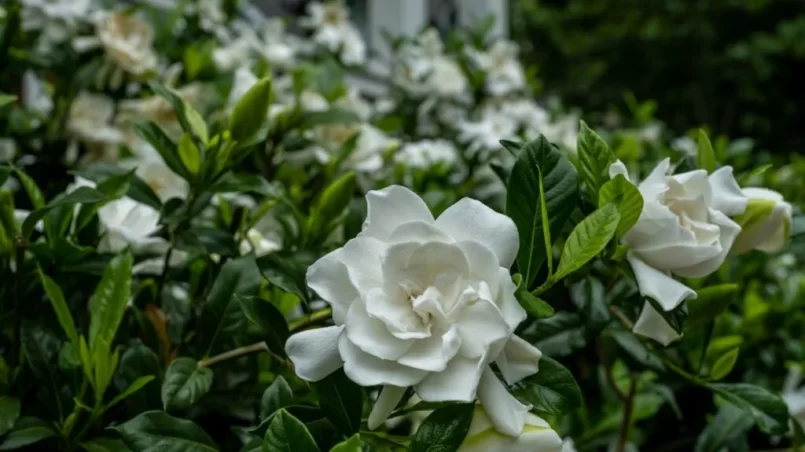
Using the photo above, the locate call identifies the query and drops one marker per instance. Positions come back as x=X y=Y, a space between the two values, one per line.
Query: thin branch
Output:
x=626 y=424
x=315 y=318
x=237 y=353
x=608 y=371
x=628 y=324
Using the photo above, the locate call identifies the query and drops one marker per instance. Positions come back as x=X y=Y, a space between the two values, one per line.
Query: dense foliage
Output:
x=220 y=231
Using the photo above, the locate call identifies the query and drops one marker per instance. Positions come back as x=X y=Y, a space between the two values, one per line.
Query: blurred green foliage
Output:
x=732 y=65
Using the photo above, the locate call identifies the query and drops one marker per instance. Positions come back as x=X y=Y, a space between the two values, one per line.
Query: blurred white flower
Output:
x=370 y=145
x=427 y=153
x=128 y=42
x=504 y=73
x=685 y=145
x=35 y=96
x=685 y=230
x=794 y=395
x=150 y=167
x=563 y=132
x=90 y=119
x=242 y=82
x=766 y=224
x=537 y=436
x=257 y=242
x=423 y=302
x=333 y=30
x=422 y=68
x=269 y=41
x=8 y=148
x=157 y=109
x=486 y=133
x=57 y=20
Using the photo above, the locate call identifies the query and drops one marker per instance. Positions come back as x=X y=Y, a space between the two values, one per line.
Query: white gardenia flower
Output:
x=422 y=302
x=334 y=31
x=35 y=95
x=90 y=117
x=563 y=132
x=423 y=68
x=370 y=146
x=568 y=445
x=504 y=73
x=58 y=20
x=766 y=224
x=259 y=243
x=684 y=230
x=486 y=133
x=794 y=395
x=128 y=41
x=537 y=436
x=8 y=149
x=427 y=153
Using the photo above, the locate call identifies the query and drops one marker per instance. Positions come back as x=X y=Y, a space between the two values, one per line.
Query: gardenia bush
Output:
x=215 y=236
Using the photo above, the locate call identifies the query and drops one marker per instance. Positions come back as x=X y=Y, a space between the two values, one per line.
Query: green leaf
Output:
x=109 y=301
x=335 y=198
x=157 y=430
x=278 y=395
x=285 y=272
x=189 y=154
x=558 y=335
x=746 y=178
x=270 y=321
x=551 y=391
x=154 y=135
x=444 y=430
x=175 y=101
x=724 y=364
x=5 y=171
x=709 y=304
x=138 y=384
x=331 y=116
x=705 y=157
x=341 y=400
x=248 y=183
x=56 y=298
x=104 y=445
x=594 y=158
x=34 y=194
x=197 y=123
x=535 y=307
x=9 y=413
x=27 y=431
x=221 y=316
x=588 y=295
x=588 y=239
x=352 y=444
x=41 y=349
x=6 y=99
x=546 y=225
x=523 y=200
x=251 y=111
x=729 y=424
x=767 y=408
x=81 y=195
x=288 y=434
x=627 y=199
x=185 y=383
x=637 y=350
x=137 y=190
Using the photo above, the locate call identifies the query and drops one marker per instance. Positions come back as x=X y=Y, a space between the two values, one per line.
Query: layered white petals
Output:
x=469 y=219
x=652 y=325
x=535 y=436
x=505 y=412
x=766 y=223
x=518 y=360
x=389 y=397
x=314 y=353
x=659 y=285
x=424 y=303
x=727 y=195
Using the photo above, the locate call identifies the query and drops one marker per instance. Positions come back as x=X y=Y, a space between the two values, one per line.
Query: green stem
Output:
x=236 y=353
x=626 y=423
x=19 y=260
x=310 y=320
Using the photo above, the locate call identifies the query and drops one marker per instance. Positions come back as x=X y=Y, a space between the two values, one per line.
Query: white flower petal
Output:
x=656 y=183
x=329 y=277
x=386 y=401
x=482 y=328
x=727 y=195
x=418 y=231
x=729 y=231
x=314 y=353
x=652 y=325
x=469 y=219
x=362 y=256
x=388 y=208
x=518 y=360
x=367 y=370
x=618 y=168
x=659 y=285
x=371 y=335
x=537 y=436
x=483 y=263
x=505 y=412
x=433 y=353
x=458 y=382
x=507 y=302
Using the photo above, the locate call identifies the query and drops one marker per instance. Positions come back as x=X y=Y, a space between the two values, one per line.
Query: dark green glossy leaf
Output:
x=277 y=395
x=552 y=390
x=9 y=413
x=270 y=320
x=157 y=430
x=594 y=159
x=767 y=408
x=288 y=434
x=444 y=430
x=727 y=425
x=104 y=445
x=341 y=400
x=81 y=195
x=27 y=431
x=109 y=300
x=185 y=383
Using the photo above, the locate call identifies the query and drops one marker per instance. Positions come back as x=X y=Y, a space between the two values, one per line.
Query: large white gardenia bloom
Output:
x=422 y=302
x=333 y=30
x=504 y=73
x=766 y=223
x=427 y=153
x=794 y=395
x=537 y=436
x=128 y=41
x=684 y=230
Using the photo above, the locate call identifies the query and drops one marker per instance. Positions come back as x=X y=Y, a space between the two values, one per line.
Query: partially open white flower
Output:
x=766 y=223
x=685 y=230
x=128 y=41
x=422 y=302
x=537 y=436
x=504 y=73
